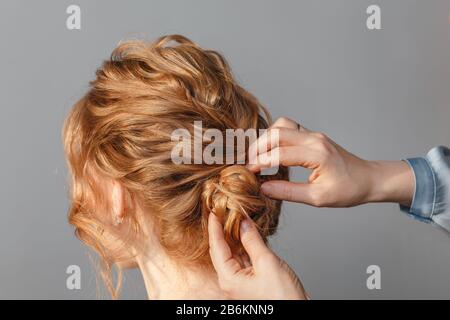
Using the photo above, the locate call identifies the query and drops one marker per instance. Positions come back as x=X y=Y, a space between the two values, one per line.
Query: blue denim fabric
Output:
x=431 y=201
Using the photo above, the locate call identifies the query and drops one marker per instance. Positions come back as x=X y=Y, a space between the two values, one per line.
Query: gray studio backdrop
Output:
x=383 y=94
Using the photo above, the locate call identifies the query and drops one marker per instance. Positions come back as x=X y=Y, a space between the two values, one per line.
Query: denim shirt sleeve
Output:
x=431 y=200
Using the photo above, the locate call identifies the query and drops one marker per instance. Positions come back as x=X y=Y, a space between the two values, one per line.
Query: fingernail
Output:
x=245 y=225
x=266 y=188
x=212 y=216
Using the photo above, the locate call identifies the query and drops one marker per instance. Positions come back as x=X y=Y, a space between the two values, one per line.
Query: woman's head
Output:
x=118 y=144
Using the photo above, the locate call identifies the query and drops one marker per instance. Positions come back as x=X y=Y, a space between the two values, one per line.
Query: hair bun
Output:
x=233 y=195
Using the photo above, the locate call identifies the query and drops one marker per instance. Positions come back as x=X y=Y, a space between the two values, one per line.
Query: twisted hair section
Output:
x=234 y=195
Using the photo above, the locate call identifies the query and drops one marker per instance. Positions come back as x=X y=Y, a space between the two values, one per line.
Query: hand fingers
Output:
x=276 y=137
x=253 y=243
x=286 y=156
x=285 y=122
x=290 y=191
x=288 y=123
x=282 y=131
x=221 y=255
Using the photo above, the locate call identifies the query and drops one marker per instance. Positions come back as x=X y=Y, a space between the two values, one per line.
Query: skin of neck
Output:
x=165 y=278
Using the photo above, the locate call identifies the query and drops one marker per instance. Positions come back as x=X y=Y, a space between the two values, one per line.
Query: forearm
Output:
x=420 y=185
x=391 y=181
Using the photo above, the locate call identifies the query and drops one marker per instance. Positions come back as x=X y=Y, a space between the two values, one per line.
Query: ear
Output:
x=117 y=203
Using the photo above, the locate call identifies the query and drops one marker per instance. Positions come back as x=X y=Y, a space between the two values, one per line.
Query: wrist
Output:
x=390 y=181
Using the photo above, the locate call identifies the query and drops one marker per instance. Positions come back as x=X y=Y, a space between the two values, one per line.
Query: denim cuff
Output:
x=422 y=206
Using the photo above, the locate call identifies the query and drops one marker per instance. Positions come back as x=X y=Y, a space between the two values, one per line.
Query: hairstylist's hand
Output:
x=267 y=277
x=338 y=178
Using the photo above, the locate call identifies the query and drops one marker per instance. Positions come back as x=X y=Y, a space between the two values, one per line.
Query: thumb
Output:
x=252 y=242
x=290 y=191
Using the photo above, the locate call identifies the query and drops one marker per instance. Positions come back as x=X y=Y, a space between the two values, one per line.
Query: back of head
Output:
x=121 y=129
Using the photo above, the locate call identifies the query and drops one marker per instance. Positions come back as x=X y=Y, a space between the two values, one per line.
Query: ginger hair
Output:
x=121 y=130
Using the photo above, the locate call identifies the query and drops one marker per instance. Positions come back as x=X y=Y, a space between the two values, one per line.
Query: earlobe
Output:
x=117 y=201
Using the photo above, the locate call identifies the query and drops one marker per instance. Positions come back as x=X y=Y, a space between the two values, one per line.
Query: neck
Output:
x=165 y=279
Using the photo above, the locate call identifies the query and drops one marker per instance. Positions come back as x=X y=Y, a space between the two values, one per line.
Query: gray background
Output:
x=381 y=94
